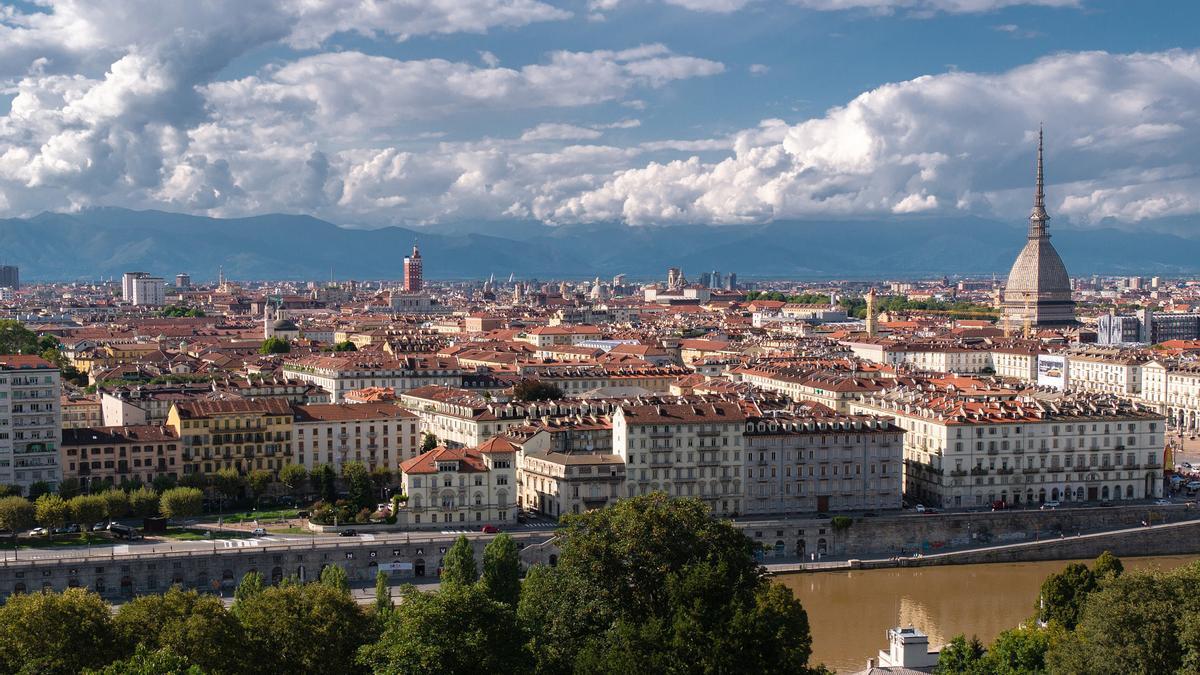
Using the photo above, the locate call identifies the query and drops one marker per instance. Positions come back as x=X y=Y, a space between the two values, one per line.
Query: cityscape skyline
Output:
x=599 y=111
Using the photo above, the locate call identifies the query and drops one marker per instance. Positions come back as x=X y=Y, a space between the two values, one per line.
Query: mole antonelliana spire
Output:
x=1038 y=291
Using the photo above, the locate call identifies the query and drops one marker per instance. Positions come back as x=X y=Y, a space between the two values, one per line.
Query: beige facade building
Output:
x=683 y=449
x=461 y=487
x=30 y=421
x=375 y=434
x=976 y=450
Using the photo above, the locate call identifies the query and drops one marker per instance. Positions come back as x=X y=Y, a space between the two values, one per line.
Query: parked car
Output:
x=1162 y=502
x=37 y=532
x=489 y=529
x=258 y=532
x=1193 y=485
x=302 y=514
x=1186 y=465
x=348 y=533
x=101 y=526
x=920 y=508
x=1106 y=503
x=1050 y=505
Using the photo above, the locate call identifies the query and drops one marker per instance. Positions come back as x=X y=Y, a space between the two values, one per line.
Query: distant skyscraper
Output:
x=10 y=277
x=413 y=281
x=731 y=282
x=127 y=280
x=1038 y=292
x=618 y=280
x=706 y=279
x=149 y=291
x=183 y=281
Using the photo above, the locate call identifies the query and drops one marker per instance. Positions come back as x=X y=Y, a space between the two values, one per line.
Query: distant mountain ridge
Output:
x=104 y=242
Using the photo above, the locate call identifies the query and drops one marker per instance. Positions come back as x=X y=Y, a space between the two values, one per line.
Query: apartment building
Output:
x=817 y=461
x=1172 y=387
x=965 y=450
x=685 y=449
x=1106 y=371
x=100 y=456
x=461 y=486
x=30 y=421
x=341 y=374
x=375 y=434
x=556 y=483
x=238 y=434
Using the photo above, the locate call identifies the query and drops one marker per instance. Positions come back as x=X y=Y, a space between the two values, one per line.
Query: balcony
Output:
x=993 y=451
x=1030 y=471
x=1006 y=471
x=958 y=473
x=980 y=471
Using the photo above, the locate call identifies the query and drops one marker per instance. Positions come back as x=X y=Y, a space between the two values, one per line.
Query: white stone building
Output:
x=975 y=450
x=30 y=421
x=376 y=434
x=461 y=487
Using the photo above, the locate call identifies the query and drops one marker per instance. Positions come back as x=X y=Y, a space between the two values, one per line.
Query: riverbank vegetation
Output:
x=650 y=584
x=1098 y=620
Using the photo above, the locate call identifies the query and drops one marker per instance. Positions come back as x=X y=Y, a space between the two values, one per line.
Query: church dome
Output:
x=284 y=325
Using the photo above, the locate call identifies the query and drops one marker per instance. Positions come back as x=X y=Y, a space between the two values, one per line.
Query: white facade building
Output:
x=30 y=421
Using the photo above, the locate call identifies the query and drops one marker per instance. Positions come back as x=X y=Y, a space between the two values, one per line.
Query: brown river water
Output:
x=850 y=612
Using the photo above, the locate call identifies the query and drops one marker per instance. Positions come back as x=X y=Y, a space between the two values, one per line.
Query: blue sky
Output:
x=636 y=111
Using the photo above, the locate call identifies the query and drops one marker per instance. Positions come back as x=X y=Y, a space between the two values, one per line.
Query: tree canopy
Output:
x=536 y=390
x=275 y=345
x=656 y=584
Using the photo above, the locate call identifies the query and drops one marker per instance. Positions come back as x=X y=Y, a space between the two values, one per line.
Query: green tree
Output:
x=383 y=594
x=143 y=502
x=87 y=509
x=193 y=626
x=324 y=481
x=457 y=629
x=293 y=476
x=163 y=482
x=458 y=567
x=358 y=484
x=37 y=489
x=428 y=442
x=16 y=514
x=308 y=628
x=961 y=657
x=334 y=576
x=260 y=481
x=536 y=390
x=116 y=503
x=381 y=478
x=147 y=662
x=654 y=584
x=274 y=345
x=51 y=511
x=501 y=577
x=69 y=487
x=346 y=346
x=229 y=483
x=1141 y=622
x=1019 y=651
x=251 y=584
x=52 y=633
x=17 y=339
x=1107 y=567
x=181 y=502
x=1063 y=594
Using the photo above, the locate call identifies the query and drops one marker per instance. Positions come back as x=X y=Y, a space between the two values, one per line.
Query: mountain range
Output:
x=104 y=242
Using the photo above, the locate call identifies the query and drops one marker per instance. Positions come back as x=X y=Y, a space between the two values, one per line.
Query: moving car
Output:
x=489 y=529
x=1050 y=505
x=920 y=508
x=1162 y=502
x=258 y=532
x=348 y=533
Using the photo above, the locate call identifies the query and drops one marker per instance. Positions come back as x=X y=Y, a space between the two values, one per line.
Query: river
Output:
x=850 y=612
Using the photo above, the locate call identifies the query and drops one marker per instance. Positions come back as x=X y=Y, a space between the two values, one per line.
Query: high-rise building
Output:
x=183 y=281
x=413 y=281
x=10 y=277
x=32 y=418
x=731 y=282
x=149 y=291
x=1038 y=292
x=127 y=280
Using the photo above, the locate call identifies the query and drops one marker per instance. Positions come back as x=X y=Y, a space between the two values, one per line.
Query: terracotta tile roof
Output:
x=469 y=461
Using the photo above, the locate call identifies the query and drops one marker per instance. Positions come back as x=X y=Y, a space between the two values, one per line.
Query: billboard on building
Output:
x=1052 y=371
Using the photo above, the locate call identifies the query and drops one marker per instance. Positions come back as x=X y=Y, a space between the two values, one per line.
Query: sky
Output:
x=644 y=112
